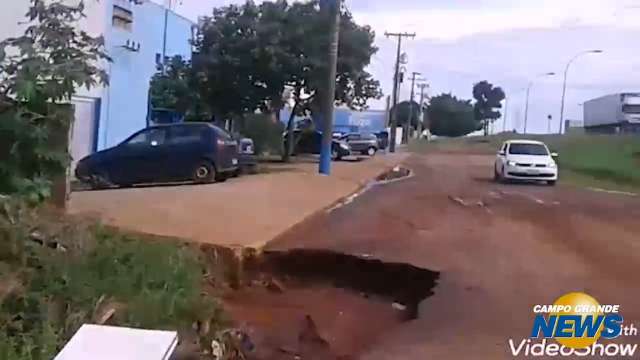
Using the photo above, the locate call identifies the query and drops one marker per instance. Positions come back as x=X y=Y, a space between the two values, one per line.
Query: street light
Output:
x=526 y=109
x=564 y=85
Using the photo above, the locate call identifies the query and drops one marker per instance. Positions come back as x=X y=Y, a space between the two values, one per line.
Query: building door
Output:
x=83 y=132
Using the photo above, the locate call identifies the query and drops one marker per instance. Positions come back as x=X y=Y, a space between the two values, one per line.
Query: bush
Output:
x=265 y=131
x=56 y=275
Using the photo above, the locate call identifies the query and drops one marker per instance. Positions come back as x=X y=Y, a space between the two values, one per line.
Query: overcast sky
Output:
x=507 y=42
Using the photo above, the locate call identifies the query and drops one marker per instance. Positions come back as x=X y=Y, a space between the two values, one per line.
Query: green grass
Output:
x=586 y=160
x=48 y=291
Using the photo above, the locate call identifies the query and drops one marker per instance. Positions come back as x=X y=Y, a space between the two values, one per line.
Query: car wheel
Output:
x=100 y=181
x=371 y=151
x=496 y=175
x=334 y=154
x=551 y=182
x=204 y=172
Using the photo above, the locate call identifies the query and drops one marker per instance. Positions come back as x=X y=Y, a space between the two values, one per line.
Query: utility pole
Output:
x=396 y=79
x=506 y=114
x=407 y=125
x=387 y=113
x=330 y=10
x=422 y=123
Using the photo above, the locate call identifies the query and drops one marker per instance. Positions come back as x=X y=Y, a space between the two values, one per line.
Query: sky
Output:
x=509 y=43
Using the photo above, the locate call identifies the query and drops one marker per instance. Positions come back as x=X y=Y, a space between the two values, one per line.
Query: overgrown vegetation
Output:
x=265 y=130
x=39 y=69
x=57 y=274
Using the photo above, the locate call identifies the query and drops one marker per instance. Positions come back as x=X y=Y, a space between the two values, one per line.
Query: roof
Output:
x=525 y=141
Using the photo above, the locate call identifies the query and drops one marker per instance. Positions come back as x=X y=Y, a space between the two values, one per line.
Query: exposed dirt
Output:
x=500 y=250
x=323 y=305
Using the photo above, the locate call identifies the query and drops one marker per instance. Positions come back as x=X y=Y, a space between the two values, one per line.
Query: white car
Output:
x=526 y=160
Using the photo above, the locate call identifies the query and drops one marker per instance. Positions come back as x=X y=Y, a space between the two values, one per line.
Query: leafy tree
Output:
x=249 y=56
x=407 y=109
x=42 y=67
x=488 y=98
x=174 y=87
x=450 y=116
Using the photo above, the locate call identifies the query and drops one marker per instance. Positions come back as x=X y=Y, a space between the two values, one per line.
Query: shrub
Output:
x=265 y=131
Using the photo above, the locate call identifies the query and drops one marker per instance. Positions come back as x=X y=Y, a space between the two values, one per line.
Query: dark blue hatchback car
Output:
x=200 y=152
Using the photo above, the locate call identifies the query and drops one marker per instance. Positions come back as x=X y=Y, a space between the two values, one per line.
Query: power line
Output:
x=396 y=78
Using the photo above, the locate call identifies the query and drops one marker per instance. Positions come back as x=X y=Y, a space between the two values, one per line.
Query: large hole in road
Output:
x=302 y=303
x=401 y=283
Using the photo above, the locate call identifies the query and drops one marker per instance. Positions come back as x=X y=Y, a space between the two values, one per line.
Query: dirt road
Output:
x=499 y=249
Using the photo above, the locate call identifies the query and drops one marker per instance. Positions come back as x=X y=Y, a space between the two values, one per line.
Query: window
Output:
x=528 y=149
x=122 y=18
x=185 y=134
x=354 y=137
x=631 y=109
x=149 y=137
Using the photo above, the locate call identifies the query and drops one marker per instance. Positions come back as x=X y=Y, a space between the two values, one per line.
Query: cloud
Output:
x=507 y=42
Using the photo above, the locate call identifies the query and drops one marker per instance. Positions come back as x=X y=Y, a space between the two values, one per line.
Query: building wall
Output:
x=131 y=70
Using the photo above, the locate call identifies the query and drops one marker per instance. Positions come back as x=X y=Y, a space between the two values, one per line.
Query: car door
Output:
x=356 y=142
x=141 y=158
x=186 y=149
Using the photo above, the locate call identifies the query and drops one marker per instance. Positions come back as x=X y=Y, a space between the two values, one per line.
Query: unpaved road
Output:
x=528 y=244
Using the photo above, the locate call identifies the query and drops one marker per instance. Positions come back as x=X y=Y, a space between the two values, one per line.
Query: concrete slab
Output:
x=248 y=211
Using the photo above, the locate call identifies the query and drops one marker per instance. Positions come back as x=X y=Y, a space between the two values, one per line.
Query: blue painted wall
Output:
x=126 y=99
x=345 y=120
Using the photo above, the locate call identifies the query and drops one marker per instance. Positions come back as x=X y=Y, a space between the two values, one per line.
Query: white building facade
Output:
x=138 y=35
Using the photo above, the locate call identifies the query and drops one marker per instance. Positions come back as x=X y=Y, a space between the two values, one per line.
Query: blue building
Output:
x=348 y=121
x=139 y=35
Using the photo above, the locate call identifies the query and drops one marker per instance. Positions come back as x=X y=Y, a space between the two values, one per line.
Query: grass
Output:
x=56 y=274
x=587 y=160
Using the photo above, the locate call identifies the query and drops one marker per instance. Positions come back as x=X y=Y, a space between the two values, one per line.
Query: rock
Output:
x=275 y=286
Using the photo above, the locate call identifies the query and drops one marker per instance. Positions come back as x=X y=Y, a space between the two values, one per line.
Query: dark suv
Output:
x=366 y=144
x=200 y=152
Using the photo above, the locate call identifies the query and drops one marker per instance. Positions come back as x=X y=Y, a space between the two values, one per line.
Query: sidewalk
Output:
x=247 y=211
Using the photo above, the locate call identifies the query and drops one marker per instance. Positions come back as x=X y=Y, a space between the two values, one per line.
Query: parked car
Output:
x=248 y=161
x=383 y=139
x=366 y=144
x=310 y=142
x=200 y=152
x=526 y=160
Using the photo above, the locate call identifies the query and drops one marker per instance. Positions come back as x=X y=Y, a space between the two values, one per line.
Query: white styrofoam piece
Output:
x=98 y=342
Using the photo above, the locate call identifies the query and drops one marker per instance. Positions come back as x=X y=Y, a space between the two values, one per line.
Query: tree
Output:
x=42 y=67
x=404 y=109
x=450 y=116
x=488 y=98
x=249 y=56
x=173 y=88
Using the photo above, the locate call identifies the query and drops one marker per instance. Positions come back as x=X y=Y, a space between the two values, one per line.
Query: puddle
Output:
x=314 y=303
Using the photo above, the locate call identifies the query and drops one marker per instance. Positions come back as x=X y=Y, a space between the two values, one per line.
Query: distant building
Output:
x=348 y=121
x=135 y=38
x=573 y=126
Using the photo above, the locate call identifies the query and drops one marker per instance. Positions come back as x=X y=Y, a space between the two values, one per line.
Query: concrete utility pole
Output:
x=396 y=79
x=422 y=123
x=526 y=109
x=407 y=125
x=505 y=116
x=330 y=10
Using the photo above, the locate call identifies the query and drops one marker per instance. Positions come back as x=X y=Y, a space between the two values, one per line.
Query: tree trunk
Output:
x=289 y=144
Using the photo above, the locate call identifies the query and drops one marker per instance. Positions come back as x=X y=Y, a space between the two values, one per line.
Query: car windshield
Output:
x=528 y=149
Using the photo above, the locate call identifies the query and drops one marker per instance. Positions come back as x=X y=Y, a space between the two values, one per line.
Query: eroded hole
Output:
x=397 y=172
x=400 y=283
